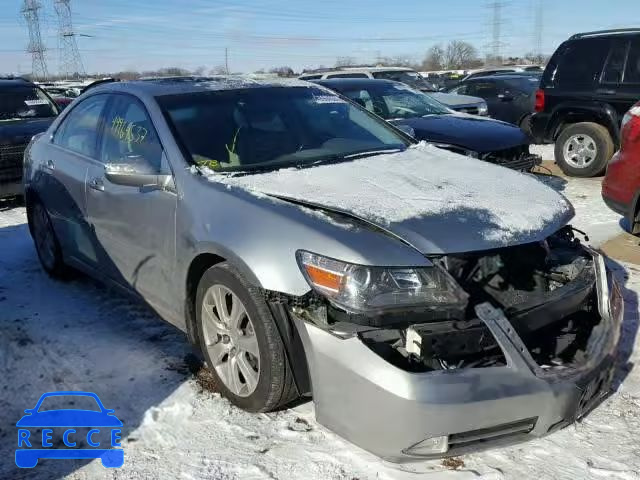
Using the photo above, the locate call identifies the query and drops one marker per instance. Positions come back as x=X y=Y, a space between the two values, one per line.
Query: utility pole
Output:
x=70 y=60
x=539 y=27
x=226 y=59
x=35 y=47
x=496 y=29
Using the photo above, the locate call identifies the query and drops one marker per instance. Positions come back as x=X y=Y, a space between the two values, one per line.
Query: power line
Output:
x=70 y=60
x=35 y=47
x=539 y=26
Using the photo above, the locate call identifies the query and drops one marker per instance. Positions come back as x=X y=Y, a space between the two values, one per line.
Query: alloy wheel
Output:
x=580 y=150
x=43 y=234
x=231 y=340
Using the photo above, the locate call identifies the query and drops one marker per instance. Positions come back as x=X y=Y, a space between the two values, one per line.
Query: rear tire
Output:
x=46 y=241
x=584 y=149
x=254 y=377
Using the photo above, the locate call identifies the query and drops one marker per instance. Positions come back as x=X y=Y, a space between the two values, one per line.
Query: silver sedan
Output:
x=430 y=303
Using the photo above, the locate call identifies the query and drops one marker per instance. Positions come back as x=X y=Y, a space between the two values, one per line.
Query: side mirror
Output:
x=130 y=176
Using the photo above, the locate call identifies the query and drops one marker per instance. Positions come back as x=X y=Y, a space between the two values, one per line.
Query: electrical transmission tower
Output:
x=70 y=61
x=36 y=47
x=538 y=27
x=496 y=29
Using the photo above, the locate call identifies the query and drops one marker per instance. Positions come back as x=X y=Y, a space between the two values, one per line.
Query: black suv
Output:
x=589 y=84
x=25 y=110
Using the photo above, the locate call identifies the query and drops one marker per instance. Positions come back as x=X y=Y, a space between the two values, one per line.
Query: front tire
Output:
x=241 y=343
x=46 y=242
x=584 y=149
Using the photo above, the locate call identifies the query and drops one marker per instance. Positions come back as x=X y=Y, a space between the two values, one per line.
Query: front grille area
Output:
x=11 y=162
x=473 y=438
x=516 y=158
x=470 y=110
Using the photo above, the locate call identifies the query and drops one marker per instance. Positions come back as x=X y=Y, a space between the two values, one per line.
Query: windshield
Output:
x=25 y=102
x=269 y=127
x=409 y=77
x=396 y=101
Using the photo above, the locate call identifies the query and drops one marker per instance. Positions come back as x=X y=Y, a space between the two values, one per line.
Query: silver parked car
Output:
x=430 y=303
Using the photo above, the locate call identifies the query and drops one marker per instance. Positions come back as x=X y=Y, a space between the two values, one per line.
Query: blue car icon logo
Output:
x=99 y=422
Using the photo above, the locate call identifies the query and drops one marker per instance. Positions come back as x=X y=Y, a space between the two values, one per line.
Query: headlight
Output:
x=360 y=288
x=483 y=109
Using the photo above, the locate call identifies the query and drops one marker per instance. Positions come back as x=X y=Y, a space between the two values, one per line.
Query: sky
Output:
x=146 y=35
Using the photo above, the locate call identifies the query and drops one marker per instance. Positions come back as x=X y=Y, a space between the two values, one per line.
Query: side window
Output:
x=615 y=63
x=361 y=97
x=348 y=75
x=311 y=77
x=580 y=63
x=484 y=89
x=129 y=137
x=79 y=130
x=460 y=90
x=632 y=72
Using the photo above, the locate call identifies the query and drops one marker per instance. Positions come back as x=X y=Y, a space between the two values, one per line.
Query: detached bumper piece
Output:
x=495 y=380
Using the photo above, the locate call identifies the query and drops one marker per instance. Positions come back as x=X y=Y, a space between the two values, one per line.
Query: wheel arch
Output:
x=294 y=351
x=602 y=114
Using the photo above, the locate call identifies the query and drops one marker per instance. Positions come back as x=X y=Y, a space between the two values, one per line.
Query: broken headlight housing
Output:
x=359 y=288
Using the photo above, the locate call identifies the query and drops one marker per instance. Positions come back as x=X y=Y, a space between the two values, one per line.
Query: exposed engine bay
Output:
x=546 y=290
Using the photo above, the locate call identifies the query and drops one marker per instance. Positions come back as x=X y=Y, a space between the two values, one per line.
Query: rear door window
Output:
x=483 y=89
x=614 y=68
x=632 y=70
x=579 y=63
x=79 y=130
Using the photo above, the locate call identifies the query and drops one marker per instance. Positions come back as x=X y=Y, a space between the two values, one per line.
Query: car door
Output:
x=488 y=90
x=134 y=225
x=62 y=187
x=611 y=88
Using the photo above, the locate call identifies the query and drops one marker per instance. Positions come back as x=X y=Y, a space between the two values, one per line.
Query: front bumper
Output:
x=387 y=410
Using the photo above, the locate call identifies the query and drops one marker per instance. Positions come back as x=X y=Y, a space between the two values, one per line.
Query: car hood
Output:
x=21 y=131
x=467 y=131
x=69 y=418
x=454 y=100
x=436 y=201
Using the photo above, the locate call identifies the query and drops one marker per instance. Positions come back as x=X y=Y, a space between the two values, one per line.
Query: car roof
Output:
x=355 y=82
x=330 y=71
x=15 y=82
x=177 y=85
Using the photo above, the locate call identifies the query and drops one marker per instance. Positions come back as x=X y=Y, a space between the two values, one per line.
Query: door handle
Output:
x=50 y=165
x=606 y=91
x=97 y=184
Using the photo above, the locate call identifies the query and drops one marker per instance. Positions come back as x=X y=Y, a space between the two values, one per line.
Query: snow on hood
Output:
x=438 y=201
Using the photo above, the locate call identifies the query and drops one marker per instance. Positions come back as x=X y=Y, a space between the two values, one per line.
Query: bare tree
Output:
x=397 y=61
x=459 y=54
x=434 y=60
x=283 y=71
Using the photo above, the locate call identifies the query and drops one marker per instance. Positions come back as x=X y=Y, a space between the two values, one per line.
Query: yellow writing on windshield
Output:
x=128 y=131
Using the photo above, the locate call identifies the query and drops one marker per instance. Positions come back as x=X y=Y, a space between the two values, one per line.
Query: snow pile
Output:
x=421 y=182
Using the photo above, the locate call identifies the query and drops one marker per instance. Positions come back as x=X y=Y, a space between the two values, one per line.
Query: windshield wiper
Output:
x=373 y=151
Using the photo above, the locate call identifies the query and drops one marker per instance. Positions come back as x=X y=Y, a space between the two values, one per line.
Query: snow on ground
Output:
x=80 y=336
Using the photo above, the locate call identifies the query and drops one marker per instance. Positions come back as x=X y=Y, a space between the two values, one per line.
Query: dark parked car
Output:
x=589 y=84
x=510 y=97
x=621 y=185
x=427 y=119
x=25 y=110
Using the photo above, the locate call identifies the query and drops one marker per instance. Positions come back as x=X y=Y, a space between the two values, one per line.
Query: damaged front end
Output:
x=516 y=158
x=490 y=348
